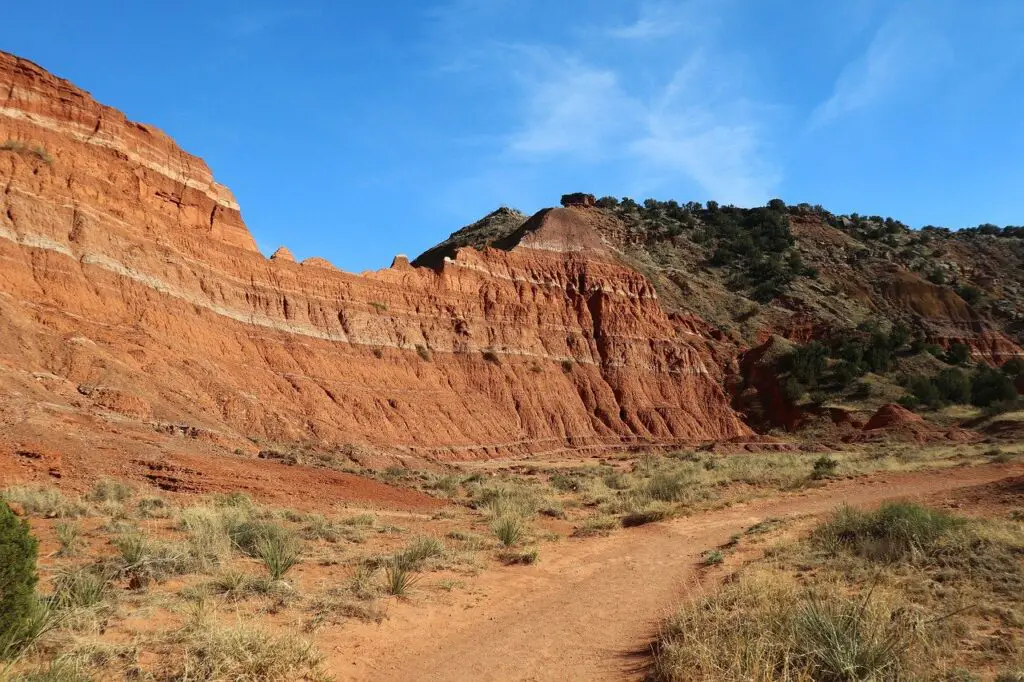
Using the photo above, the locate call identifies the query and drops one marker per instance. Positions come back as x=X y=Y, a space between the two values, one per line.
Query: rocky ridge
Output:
x=135 y=310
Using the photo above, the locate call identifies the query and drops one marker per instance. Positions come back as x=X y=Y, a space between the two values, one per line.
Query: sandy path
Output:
x=589 y=608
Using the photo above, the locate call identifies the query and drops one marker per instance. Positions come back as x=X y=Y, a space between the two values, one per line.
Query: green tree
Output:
x=807 y=363
x=924 y=390
x=991 y=386
x=958 y=354
x=18 y=552
x=1013 y=367
x=954 y=385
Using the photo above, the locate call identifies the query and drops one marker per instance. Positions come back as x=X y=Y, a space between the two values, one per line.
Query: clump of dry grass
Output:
x=212 y=651
x=765 y=627
x=890 y=594
x=47 y=502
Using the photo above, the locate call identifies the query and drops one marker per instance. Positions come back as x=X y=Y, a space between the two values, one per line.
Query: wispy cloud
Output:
x=578 y=111
x=905 y=49
x=662 y=19
x=569 y=107
x=691 y=126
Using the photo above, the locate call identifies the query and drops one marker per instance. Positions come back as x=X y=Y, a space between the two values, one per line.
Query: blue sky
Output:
x=355 y=131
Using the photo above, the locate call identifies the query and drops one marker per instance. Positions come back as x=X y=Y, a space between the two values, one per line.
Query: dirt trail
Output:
x=589 y=608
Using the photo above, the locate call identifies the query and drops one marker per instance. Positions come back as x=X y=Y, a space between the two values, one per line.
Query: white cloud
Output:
x=905 y=49
x=662 y=19
x=570 y=107
x=692 y=127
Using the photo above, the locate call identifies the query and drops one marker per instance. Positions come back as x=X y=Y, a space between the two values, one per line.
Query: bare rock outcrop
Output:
x=126 y=264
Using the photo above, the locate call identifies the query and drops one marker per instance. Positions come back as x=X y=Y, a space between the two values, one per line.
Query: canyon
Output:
x=139 y=321
x=137 y=314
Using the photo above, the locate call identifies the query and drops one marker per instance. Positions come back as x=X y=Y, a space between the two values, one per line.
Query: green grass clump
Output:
x=236 y=585
x=509 y=530
x=80 y=588
x=714 y=557
x=68 y=537
x=895 y=531
x=419 y=550
x=19 y=147
x=602 y=524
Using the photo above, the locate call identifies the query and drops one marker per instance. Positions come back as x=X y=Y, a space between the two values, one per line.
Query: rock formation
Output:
x=135 y=308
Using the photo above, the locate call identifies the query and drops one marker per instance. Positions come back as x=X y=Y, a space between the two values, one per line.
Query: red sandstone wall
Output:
x=129 y=274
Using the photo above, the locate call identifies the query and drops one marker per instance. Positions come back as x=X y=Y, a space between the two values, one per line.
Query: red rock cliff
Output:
x=132 y=294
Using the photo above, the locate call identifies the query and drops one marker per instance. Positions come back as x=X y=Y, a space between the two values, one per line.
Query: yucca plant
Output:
x=279 y=552
x=509 y=530
x=399 y=578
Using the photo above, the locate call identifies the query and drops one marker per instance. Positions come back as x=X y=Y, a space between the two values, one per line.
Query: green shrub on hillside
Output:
x=958 y=354
x=18 y=603
x=990 y=386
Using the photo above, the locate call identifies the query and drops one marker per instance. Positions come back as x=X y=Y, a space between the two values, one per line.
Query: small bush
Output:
x=1013 y=367
x=18 y=603
x=824 y=467
x=958 y=354
x=423 y=352
x=990 y=386
x=714 y=557
x=491 y=356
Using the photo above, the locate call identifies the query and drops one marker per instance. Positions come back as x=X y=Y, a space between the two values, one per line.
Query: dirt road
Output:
x=589 y=608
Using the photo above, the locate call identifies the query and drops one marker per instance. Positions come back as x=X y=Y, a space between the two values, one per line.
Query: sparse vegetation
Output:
x=863 y=612
x=34 y=150
x=49 y=503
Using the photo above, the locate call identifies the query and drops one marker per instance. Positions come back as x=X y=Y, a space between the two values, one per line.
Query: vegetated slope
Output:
x=138 y=318
x=888 y=304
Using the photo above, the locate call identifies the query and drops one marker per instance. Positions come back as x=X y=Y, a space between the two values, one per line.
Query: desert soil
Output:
x=590 y=608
